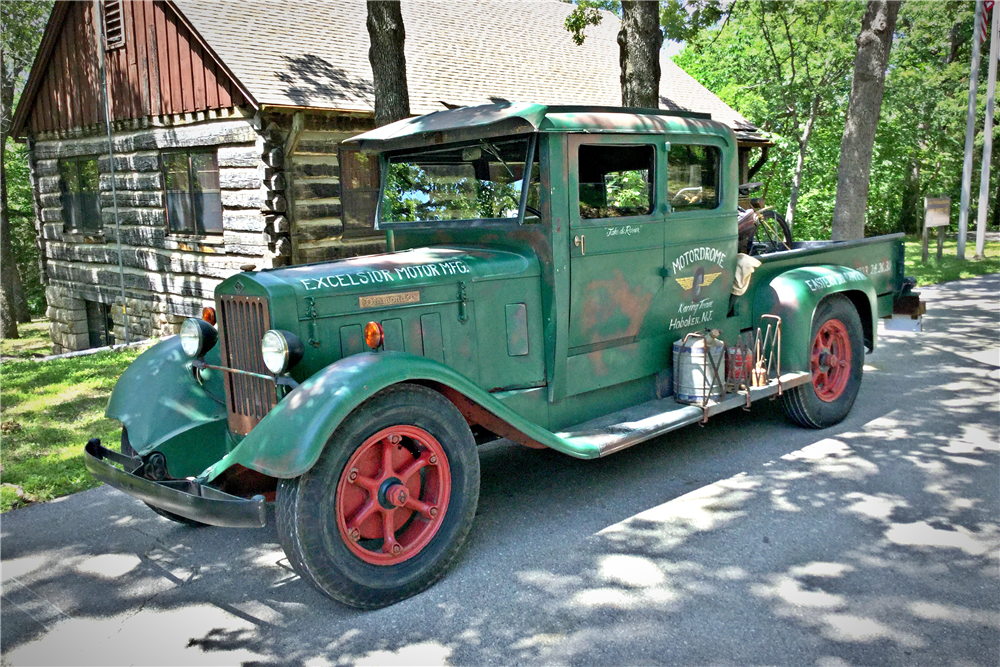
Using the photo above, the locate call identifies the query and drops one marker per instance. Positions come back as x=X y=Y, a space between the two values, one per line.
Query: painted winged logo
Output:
x=688 y=282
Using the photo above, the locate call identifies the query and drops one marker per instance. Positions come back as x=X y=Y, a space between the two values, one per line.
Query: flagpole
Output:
x=970 y=133
x=984 y=181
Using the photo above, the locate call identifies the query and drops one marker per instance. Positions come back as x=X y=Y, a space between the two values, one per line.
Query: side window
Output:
x=693 y=177
x=80 y=184
x=616 y=181
x=194 y=201
x=359 y=184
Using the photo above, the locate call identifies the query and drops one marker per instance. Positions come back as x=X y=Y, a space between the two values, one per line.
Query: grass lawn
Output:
x=48 y=411
x=34 y=341
x=950 y=267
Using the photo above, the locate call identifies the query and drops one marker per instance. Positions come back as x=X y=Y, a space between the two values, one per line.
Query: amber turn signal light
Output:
x=208 y=314
x=373 y=335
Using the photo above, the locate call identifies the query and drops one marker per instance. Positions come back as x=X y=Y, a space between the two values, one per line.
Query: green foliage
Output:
x=587 y=13
x=748 y=62
x=50 y=409
x=22 y=225
x=680 y=20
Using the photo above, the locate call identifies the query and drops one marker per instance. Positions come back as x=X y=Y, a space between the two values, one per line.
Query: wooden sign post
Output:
x=937 y=213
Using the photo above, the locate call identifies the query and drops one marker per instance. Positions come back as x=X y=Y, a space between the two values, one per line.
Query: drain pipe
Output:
x=98 y=32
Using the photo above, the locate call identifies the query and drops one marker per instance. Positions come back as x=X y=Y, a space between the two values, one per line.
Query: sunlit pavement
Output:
x=747 y=541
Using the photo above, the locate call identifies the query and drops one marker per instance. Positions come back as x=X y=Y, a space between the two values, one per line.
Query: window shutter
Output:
x=114 y=24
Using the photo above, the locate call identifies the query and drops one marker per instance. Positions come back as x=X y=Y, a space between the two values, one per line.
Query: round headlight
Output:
x=197 y=337
x=281 y=350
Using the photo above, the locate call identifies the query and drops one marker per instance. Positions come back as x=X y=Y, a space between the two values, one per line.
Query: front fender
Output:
x=794 y=296
x=164 y=408
x=290 y=438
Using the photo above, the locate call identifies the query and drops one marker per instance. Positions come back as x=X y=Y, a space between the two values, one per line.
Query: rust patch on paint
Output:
x=613 y=308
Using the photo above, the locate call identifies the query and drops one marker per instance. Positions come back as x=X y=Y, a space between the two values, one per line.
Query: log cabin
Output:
x=226 y=122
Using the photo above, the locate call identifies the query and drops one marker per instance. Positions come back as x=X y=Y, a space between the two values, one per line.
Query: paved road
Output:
x=748 y=541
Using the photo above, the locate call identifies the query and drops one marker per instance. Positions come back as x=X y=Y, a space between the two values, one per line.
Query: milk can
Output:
x=693 y=377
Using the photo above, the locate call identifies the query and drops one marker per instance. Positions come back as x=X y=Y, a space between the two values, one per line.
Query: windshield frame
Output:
x=530 y=159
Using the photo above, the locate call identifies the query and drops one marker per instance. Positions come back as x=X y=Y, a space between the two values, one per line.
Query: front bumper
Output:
x=183 y=497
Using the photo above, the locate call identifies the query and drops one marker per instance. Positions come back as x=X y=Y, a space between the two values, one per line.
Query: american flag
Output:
x=984 y=23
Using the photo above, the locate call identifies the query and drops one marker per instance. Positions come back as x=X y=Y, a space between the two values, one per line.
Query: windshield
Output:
x=484 y=180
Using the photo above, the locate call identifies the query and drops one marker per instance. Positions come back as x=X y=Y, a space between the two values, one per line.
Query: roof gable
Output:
x=162 y=67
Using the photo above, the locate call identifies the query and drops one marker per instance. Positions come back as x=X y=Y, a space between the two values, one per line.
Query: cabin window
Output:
x=80 y=184
x=359 y=184
x=114 y=24
x=194 y=201
x=616 y=181
x=693 y=177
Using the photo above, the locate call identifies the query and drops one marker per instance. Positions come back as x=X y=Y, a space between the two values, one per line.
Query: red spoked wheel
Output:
x=836 y=359
x=384 y=511
x=393 y=495
x=831 y=360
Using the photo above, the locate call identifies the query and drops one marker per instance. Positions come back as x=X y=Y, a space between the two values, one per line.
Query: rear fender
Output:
x=794 y=296
x=290 y=438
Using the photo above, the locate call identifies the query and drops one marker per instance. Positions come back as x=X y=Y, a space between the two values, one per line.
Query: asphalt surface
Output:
x=747 y=541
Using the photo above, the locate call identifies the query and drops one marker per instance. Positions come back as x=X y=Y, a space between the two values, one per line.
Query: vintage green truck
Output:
x=542 y=262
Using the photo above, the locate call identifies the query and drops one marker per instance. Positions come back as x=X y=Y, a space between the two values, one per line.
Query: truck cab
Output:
x=550 y=274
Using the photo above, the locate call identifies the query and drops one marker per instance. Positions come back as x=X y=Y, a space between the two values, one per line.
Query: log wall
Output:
x=313 y=175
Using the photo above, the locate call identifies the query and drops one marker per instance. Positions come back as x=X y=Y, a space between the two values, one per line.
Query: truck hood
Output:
x=388 y=272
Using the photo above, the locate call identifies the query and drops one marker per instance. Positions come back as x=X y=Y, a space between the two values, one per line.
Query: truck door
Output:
x=700 y=247
x=616 y=256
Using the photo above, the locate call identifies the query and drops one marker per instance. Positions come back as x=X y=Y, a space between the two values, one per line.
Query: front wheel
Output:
x=384 y=512
x=836 y=359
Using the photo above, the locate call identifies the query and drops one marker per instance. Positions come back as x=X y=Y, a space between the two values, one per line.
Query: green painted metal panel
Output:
x=433 y=339
x=392 y=330
x=517 y=329
x=351 y=340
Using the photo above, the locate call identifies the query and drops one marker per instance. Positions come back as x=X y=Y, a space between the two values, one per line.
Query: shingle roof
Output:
x=315 y=54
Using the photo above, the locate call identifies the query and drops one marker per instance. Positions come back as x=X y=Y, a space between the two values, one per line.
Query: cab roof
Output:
x=507 y=118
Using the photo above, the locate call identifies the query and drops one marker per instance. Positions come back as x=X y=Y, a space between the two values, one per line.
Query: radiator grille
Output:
x=242 y=323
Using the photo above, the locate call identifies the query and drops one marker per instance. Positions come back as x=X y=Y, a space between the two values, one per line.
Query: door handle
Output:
x=581 y=242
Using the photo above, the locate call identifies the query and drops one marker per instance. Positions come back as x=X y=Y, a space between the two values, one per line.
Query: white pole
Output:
x=984 y=181
x=970 y=134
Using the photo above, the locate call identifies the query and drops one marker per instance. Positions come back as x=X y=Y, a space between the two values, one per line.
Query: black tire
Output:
x=127 y=450
x=307 y=512
x=803 y=404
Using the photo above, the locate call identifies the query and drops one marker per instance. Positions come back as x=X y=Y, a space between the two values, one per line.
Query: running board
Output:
x=639 y=423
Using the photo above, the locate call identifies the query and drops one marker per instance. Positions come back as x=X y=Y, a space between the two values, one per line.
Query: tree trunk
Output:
x=793 y=200
x=388 y=61
x=639 y=42
x=867 y=86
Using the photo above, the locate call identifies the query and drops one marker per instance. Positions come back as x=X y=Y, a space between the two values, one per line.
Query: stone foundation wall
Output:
x=67 y=315
x=146 y=319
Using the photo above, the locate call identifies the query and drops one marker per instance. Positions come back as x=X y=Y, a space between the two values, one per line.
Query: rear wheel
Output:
x=383 y=513
x=836 y=360
x=127 y=450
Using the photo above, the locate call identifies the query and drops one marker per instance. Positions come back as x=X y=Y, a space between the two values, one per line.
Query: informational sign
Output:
x=937 y=211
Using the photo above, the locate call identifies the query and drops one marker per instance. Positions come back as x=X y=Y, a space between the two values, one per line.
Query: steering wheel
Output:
x=532 y=210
